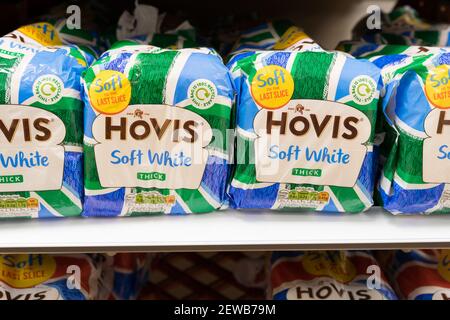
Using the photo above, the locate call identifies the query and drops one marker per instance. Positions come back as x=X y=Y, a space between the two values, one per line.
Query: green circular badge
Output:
x=48 y=89
x=202 y=93
x=363 y=89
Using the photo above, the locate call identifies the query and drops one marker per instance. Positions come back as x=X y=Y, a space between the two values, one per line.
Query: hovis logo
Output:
x=39 y=292
x=311 y=142
x=324 y=288
x=30 y=149
x=149 y=146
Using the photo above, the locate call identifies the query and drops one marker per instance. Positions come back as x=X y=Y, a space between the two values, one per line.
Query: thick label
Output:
x=26 y=270
x=31 y=157
x=326 y=289
x=151 y=146
x=436 y=148
x=311 y=142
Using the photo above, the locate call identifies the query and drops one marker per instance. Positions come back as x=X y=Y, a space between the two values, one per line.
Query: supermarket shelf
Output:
x=226 y=231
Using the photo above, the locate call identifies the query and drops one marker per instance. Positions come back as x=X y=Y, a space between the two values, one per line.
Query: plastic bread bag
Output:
x=57 y=33
x=41 y=154
x=156 y=124
x=328 y=275
x=420 y=274
x=374 y=52
x=262 y=37
x=304 y=118
x=169 y=41
x=277 y=35
x=414 y=151
x=403 y=26
x=130 y=275
x=52 y=277
x=405 y=22
x=439 y=38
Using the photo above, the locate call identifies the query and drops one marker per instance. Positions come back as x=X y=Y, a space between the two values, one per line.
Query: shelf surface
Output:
x=226 y=231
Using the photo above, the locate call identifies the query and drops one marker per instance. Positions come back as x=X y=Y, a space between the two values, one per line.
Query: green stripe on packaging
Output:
x=150 y=71
x=311 y=83
x=195 y=201
x=60 y=202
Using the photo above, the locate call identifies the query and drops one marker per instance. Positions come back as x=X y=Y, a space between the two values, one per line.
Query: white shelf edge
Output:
x=226 y=231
